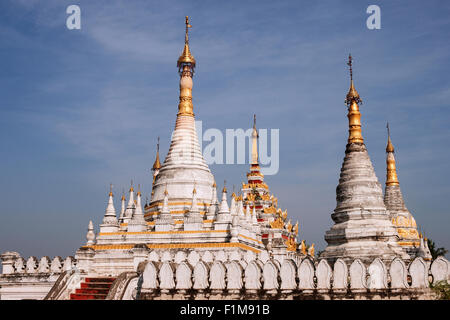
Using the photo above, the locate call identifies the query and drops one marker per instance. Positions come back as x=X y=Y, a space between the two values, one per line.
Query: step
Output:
x=78 y=296
x=96 y=285
x=92 y=291
x=103 y=279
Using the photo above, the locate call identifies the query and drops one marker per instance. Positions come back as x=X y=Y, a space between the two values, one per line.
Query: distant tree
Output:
x=435 y=252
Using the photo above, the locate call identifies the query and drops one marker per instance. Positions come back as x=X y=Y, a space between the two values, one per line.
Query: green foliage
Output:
x=442 y=289
x=435 y=252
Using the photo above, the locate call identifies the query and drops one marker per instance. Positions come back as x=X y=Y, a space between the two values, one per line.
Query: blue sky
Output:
x=83 y=108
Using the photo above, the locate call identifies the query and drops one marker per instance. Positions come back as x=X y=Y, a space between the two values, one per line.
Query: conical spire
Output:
x=354 y=116
x=194 y=205
x=233 y=208
x=254 y=142
x=137 y=222
x=391 y=174
x=254 y=219
x=184 y=161
x=138 y=213
x=248 y=217
x=165 y=208
x=122 y=210
x=157 y=163
x=240 y=206
x=110 y=213
x=130 y=206
x=224 y=204
x=186 y=65
x=90 y=235
x=186 y=57
x=363 y=228
x=402 y=219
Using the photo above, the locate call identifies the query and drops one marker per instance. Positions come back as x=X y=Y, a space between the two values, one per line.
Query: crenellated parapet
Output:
x=233 y=275
x=31 y=278
x=13 y=264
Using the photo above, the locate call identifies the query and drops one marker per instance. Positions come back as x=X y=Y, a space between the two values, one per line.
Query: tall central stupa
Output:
x=363 y=227
x=184 y=167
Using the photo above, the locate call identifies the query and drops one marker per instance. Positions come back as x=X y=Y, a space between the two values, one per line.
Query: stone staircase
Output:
x=93 y=289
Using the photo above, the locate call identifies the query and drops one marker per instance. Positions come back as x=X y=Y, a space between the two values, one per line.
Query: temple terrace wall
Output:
x=232 y=276
x=31 y=278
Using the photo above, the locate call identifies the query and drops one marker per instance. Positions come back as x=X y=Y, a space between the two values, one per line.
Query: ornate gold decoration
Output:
x=291 y=244
x=255 y=185
x=250 y=197
x=270 y=209
x=296 y=228
x=354 y=116
x=303 y=247
x=311 y=250
x=265 y=197
x=289 y=226
x=277 y=224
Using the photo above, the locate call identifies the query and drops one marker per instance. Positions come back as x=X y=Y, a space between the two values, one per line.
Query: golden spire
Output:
x=224 y=186
x=354 y=116
x=391 y=170
x=110 y=190
x=131 y=188
x=186 y=57
x=186 y=65
x=157 y=163
x=123 y=195
x=254 y=142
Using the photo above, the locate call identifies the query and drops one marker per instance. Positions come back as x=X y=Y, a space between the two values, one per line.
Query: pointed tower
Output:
x=157 y=163
x=137 y=222
x=402 y=219
x=223 y=220
x=164 y=222
x=110 y=222
x=122 y=209
x=184 y=162
x=90 y=235
x=194 y=219
x=362 y=228
x=130 y=206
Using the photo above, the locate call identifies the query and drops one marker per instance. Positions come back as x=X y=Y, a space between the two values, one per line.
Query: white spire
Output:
x=254 y=219
x=214 y=196
x=240 y=209
x=248 y=217
x=130 y=207
x=224 y=204
x=110 y=213
x=194 y=220
x=165 y=208
x=164 y=222
x=194 y=206
x=137 y=222
x=233 y=208
x=122 y=210
x=90 y=235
